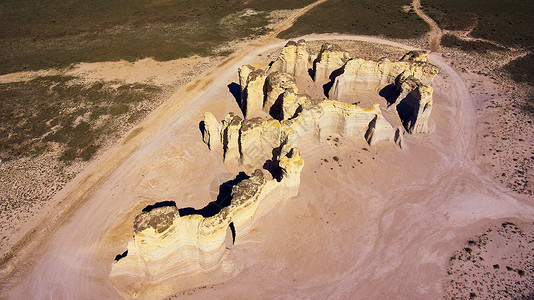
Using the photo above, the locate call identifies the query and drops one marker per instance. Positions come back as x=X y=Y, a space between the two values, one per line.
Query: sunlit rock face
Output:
x=169 y=241
x=411 y=76
x=252 y=83
x=258 y=137
x=293 y=59
x=331 y=58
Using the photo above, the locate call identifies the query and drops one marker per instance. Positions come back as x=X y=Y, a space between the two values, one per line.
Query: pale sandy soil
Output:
x=379 y=222
x=505 y=130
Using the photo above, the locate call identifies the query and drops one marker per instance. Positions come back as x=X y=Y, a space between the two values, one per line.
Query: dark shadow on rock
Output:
x=390 y=93
x=311 y=72
x=235 y=90
x=202 y=128
x=273 y=165
x=159 y=204
x=407 y=110
x=327 y=86
x=121 y=256
x=223 y=199
x=277 y=111
x=232 y=228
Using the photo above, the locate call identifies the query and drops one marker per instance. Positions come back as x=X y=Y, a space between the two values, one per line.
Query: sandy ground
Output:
x=379 y=222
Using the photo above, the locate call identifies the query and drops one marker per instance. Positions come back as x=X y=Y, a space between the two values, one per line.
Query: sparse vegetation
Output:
x=57 y=112
x=449 y=40
x=385 y=17
x=474 y=273
x=37 y=35
x=505 y=22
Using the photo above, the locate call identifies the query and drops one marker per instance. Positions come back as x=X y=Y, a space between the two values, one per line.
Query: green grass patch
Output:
x=381 y=17
x=44 y=34
x=508 y=22
x=522 y=69
x=452 y=41
x=58 y=110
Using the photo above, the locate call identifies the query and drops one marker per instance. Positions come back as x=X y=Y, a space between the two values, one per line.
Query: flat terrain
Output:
x=389 y=18
x=506 y=23
x=43 y=34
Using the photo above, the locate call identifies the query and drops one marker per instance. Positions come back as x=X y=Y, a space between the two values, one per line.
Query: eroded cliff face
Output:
x=293 y=59
x=251 y=141
x=252 y=83
x=169 y=241
x=330 y=60
x=411 y=76
x=274 y=91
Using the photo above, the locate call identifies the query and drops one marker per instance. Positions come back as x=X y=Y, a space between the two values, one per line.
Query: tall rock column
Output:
x=330 y=58
x=293 y=59
x=252 y=83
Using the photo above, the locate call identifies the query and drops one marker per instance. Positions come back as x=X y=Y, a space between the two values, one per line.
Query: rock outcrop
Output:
x=276 y=85
x=411 y=76
x=293 y=59
x=211 y=131
x=169 y=241
x=257 y=137
x=359 y=74
x=252 y=83
x=331 y=58
x=277 y=120
x=416 y=103
x=342 y=78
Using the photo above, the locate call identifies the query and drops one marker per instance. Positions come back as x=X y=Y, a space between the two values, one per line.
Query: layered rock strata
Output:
x=252 y=82
x=293 y=59
x=416 y=104
x=168 y=241
x=251 y=141
x=342 y=78
x=331 y=58
x=276 y=84
x=387 y=77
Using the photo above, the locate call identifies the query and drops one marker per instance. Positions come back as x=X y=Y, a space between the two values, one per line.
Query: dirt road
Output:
x=435 y=32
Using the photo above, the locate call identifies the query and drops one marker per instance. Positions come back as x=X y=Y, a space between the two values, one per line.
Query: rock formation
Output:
x=169 y=241
x=211 y=126
x=276 y=85
x=416 y=104
x=330 y=59
x=293 y=59
x=257 y=137
x=277 y=119
x=360 y=74
x=343 y=77
x=390 y=79
x=252 y=83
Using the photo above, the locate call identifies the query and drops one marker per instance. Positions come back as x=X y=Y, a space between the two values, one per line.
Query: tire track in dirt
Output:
x=435 y=31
